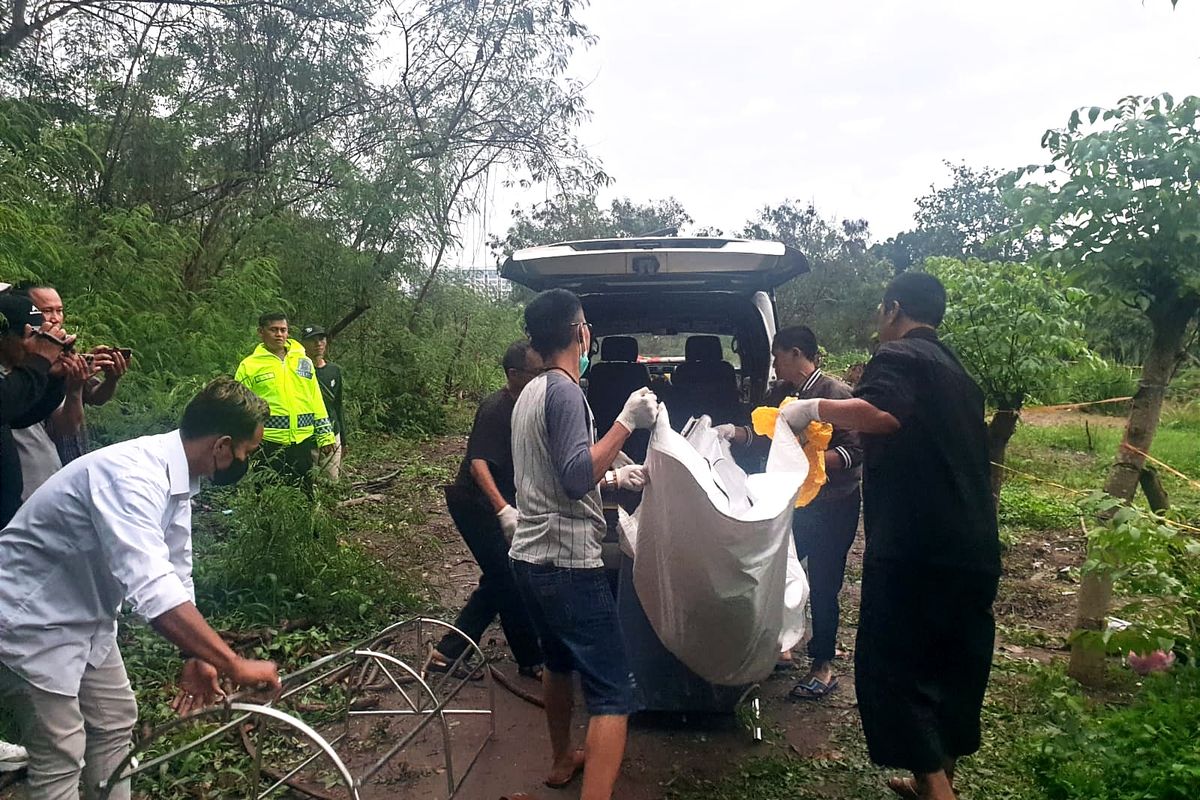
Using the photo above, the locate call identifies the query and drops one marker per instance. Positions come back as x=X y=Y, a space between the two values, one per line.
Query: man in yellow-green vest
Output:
x=281 y=373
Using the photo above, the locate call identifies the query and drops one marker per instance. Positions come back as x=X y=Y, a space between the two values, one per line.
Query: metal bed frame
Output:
x=426 y=697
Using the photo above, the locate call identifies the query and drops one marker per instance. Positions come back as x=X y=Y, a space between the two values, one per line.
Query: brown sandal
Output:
x=905 y=787
x=576 y=769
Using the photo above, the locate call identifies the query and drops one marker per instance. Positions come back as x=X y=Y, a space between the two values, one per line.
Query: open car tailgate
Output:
x=656 y=264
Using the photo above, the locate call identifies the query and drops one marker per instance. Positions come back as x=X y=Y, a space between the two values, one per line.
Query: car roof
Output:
x=656 y=265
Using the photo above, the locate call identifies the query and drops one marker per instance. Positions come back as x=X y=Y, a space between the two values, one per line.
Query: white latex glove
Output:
x=799 y=413
x=508 y=517
x=641 y=409
x=726 y=432
x=631 y=477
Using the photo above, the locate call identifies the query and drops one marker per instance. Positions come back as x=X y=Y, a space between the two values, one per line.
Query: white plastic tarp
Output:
x=714 y=566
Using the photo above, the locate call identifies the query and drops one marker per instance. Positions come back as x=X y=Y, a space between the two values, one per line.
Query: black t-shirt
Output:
x=329 y=377
x=491 y=441
x=927 y=497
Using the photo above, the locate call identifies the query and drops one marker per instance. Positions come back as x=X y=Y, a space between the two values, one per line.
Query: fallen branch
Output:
x=358 y=501
x=265 y=635
x=382 y=480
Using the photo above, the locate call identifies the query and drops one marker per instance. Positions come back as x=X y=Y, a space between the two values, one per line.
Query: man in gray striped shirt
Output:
x=559 y=469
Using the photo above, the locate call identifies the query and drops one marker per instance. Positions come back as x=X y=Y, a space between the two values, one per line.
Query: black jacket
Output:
x=28 y=395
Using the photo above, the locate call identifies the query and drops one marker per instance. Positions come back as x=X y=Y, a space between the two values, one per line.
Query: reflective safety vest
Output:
x=289 y=385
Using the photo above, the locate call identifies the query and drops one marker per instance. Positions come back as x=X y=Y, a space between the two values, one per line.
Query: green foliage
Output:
x=837 y=298
x=1152 y=563
x=177 y=170
x=967 y=219
x=1145 y=750
x=1013 y=325
x=573 y=216
x=282 y=556
x=1022 y=506
x=1090 y=381
x=1126 y=202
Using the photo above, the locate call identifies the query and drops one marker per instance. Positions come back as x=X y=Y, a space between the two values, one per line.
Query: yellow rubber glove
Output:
x=814 y=442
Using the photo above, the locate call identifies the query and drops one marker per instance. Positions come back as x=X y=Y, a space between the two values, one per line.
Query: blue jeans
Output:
x=575 y=615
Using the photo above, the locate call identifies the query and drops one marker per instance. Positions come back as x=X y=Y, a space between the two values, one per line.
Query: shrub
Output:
x=1089 y=382
x=1024 y=507
x=1146 y=750
x=279 y=556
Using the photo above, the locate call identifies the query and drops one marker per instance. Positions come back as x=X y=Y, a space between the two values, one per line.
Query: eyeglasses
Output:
x=577 y=324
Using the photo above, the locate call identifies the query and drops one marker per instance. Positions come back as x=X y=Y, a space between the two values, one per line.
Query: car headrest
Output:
x=704 y=348
x=619 y=348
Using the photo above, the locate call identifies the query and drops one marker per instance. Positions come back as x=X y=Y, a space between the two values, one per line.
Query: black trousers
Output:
x=824 y=532
x=292 y=462
x=497 y=593
x=921 y=662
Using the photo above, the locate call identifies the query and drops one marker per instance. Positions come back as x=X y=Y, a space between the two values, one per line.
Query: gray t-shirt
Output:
x=562 y=519
x=39 y=457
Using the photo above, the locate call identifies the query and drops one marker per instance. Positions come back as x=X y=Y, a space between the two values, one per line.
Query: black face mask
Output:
x=227 y=476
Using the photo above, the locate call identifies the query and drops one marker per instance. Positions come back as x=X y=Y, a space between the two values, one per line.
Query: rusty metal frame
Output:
x=431 y=702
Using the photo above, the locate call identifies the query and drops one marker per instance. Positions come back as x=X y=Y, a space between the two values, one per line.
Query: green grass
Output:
x=1077 y=458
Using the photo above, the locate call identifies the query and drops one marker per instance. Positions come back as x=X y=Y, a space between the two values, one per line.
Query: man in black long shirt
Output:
x=482 y=502
x=329 y=378
x=932 y=562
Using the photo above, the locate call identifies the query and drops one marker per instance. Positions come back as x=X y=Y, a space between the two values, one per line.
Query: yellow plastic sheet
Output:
x=815 y=442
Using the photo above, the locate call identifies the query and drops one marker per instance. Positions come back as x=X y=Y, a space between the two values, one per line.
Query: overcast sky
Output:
x=728 y=106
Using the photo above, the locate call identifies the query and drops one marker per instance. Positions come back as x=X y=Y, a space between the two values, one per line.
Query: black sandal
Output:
x=534 y=672
x=437 y=664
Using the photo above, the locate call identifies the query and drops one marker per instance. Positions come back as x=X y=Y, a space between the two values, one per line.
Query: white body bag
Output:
x=715 y=566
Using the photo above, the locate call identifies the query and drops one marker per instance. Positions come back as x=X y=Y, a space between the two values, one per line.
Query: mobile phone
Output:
x=126 y=353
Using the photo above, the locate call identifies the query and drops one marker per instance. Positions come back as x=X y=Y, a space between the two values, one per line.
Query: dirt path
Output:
x=1033 y=609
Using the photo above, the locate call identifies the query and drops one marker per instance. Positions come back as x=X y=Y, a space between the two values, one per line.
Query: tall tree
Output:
x=967 y=219
x=842 y=289
x=1013 y=325
x=1123 y=204
x=572 y=215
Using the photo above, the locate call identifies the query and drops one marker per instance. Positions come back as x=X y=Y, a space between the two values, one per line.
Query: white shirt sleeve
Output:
x=128 y=515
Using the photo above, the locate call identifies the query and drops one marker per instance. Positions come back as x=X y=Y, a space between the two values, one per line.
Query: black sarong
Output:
x=921 y=662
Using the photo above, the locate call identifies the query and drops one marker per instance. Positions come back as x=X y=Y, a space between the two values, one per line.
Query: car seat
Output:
x=705 y=383
x=610 y=382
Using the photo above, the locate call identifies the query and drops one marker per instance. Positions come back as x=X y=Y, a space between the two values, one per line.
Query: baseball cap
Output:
x=311 y=332
x=17 y=311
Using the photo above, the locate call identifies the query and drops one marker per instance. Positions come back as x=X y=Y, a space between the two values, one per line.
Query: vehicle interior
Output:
x=722 y=371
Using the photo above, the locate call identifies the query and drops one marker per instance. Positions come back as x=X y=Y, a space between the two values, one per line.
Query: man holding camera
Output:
x=91 y=379
x=35 y=365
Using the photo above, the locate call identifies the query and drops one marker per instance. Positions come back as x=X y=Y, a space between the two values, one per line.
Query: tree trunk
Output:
x=1169 y=321
x=1000 y=431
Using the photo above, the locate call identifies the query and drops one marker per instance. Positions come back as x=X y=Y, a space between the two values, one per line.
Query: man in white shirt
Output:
x=112 y=527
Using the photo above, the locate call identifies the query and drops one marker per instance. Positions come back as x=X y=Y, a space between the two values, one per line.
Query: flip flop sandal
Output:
x=813 y=689
x=441 y=668
x=576 y=769
x=904 y=787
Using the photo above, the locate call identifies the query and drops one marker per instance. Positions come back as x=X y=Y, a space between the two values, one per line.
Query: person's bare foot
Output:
x=561 y=774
